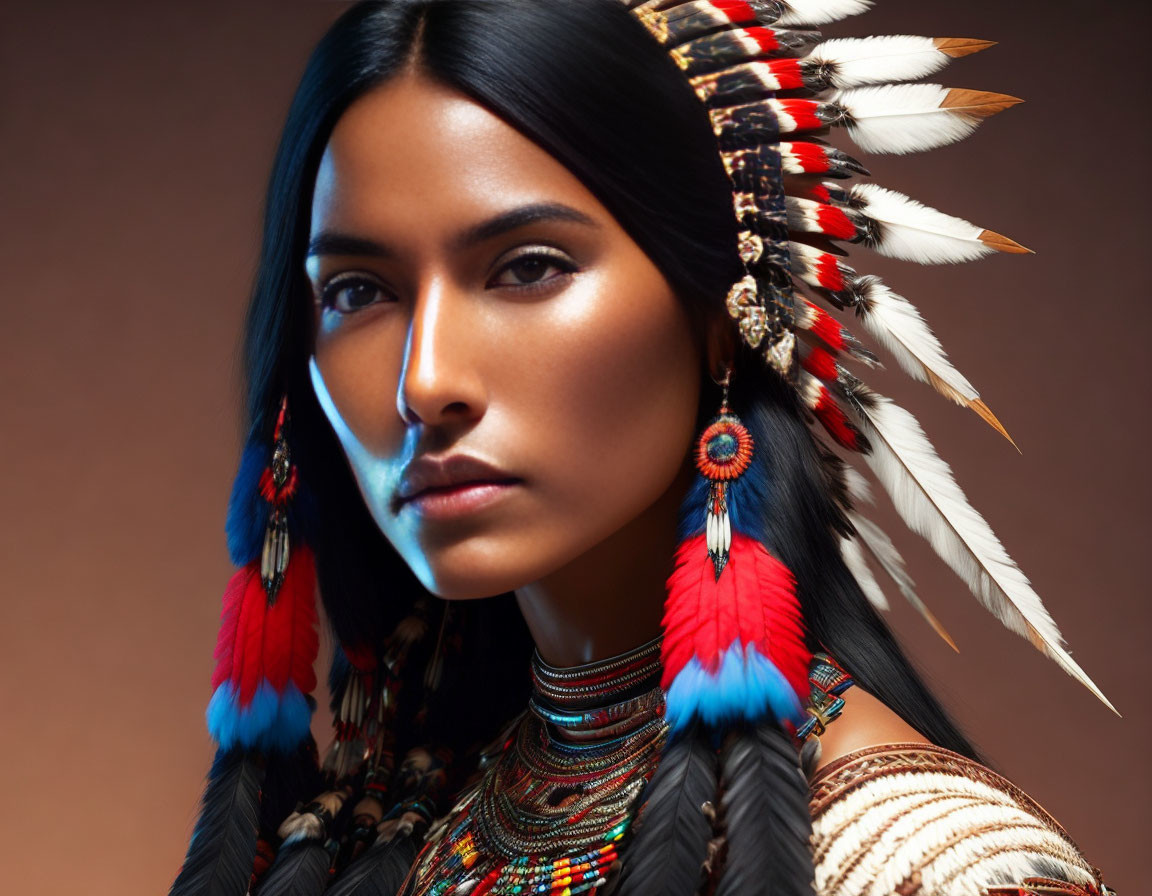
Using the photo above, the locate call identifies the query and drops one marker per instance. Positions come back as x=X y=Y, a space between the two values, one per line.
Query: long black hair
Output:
x=586 y=82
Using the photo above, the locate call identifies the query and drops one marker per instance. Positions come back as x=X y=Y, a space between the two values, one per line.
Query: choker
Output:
x=554 y=802
x=601 y=700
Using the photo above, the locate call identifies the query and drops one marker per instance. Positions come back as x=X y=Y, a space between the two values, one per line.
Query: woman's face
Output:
x=475 y=299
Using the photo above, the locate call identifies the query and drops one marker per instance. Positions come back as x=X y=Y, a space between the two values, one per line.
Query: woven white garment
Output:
x=918 y=820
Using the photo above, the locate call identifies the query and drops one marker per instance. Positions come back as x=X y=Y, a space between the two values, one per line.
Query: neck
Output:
x=610 y=598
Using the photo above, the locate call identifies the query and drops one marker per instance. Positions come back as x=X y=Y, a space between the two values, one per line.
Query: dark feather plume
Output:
x=672 y=831
x=300 y=869
x=289 y=779
x=379 y=872
x=219 y=860
x=764 y=804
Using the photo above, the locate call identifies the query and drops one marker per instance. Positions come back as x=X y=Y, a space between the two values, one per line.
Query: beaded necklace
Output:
x=551 y=808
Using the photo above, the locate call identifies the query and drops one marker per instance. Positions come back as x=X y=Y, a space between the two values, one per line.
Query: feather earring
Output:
x=268 y=641
x=261 y=702
x=733 y=646
x=735 y=669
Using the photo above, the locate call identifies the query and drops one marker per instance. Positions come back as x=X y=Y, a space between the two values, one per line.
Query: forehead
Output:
x=416 y=154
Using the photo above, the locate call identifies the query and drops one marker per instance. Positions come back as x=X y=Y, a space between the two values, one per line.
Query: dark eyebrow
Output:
x=329 y=242
x=520 y=217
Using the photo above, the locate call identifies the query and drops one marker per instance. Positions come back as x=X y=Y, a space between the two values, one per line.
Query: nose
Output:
x=440 y=383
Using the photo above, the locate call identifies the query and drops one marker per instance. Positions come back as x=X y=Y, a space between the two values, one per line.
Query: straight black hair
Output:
x=584 y=81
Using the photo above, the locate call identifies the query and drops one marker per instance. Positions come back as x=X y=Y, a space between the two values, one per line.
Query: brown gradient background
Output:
x=135 y=141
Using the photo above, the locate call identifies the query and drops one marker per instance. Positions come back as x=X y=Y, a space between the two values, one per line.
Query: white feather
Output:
x=901 y=118
x=854 y=559
x=877 y=543
x=859 y=488
x=880 y=546
x=710 y=531
x=896 y=324
x=727 y=532
x=915 y=232
x=928 y=499
x=820 y=12
x=878 y=60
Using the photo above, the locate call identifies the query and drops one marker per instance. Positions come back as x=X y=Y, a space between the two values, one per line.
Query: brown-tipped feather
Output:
x=944 y=389
x=978 y=103
x=937 y=626
x=961 y=46
x=1001 y=243
x=976 y=404
x=986 y=414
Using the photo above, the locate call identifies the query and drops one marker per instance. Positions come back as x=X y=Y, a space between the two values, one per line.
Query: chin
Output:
x=469 y=572
x=484 y=560
x=454 y=586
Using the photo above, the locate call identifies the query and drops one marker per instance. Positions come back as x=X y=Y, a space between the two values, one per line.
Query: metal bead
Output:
x=751 y=247
x=753 y=325
x=781 y=352
x=741 y=295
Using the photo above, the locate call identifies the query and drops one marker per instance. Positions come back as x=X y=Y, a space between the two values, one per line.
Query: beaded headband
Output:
x=772 y=88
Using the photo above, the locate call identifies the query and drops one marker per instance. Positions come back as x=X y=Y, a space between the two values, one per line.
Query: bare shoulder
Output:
x=865 y=721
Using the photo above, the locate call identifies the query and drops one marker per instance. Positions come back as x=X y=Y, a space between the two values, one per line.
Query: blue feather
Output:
x=747 y=495
x=271 y=721
x=746 y=686
x=247 y=511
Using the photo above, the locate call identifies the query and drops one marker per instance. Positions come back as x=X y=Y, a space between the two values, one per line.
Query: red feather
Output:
x=836 y=422
x=290 y=638
x=810 y=158
x=737 y=11
x=786 y=73
x=820 y=364
x=803 y=113
x=277 y=643
x=835 y=223
x=229 y=616
x=247 y=664
x=826 y=327
x=754 y=603
x=828 y=272
x=238 y=646
x=765 y=38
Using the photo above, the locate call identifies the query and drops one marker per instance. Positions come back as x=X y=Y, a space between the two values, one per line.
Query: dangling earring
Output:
x=734 y=646
x=268 y=641
x=723 y=453
x=277 y=486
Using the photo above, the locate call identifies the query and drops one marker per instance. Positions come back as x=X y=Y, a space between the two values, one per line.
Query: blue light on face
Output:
x=378 y=478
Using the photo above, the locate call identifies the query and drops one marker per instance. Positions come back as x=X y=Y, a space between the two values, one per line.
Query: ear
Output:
x=720 y=345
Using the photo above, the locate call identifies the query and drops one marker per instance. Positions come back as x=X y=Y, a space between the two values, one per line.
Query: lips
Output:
x=425 y=474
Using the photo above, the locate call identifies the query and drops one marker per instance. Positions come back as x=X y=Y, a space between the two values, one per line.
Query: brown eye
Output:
x=348 y=293
x=535 y=268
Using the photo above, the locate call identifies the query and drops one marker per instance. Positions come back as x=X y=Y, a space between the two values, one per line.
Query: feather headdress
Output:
x=772 y=86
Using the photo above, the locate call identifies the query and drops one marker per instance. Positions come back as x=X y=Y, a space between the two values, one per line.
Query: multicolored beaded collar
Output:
x=550 y=809
x=559 y=794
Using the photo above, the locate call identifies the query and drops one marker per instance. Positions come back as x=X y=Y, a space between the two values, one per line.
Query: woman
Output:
x=532 y=364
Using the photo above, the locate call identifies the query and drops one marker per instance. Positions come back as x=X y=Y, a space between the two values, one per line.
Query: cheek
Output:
x=616 y=401
x=361 y=370
x=355 y=384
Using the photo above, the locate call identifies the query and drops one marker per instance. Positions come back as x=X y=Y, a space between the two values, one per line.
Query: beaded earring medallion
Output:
x=723 y=453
